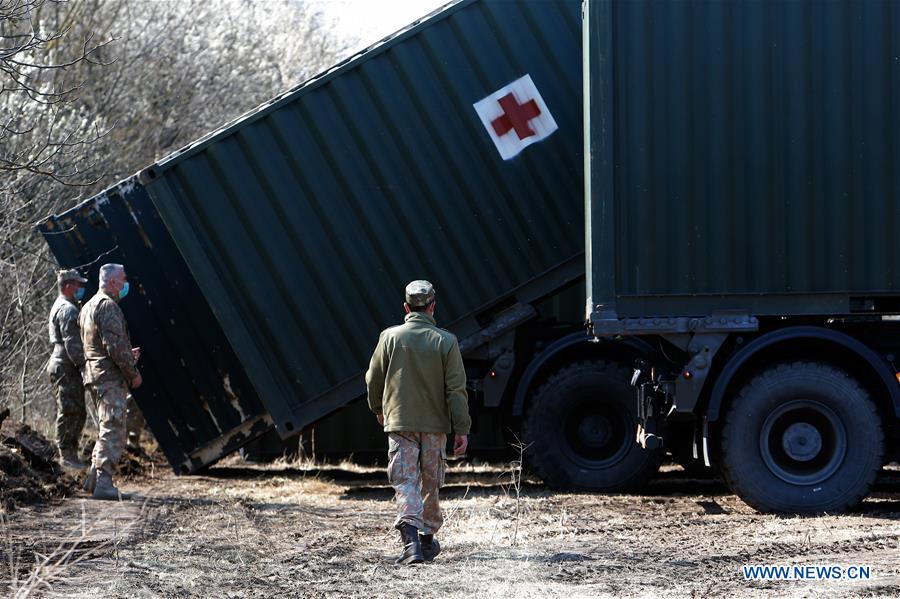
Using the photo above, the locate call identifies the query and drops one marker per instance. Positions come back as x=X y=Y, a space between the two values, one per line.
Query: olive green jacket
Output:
x=417 y=380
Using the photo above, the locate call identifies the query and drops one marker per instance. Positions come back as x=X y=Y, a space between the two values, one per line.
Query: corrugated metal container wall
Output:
x=754 y=151
x=303 y=221
x=196 y=396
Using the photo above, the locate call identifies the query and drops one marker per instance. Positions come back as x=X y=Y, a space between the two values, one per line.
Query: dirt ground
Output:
x=29 y=471
x=289 y=530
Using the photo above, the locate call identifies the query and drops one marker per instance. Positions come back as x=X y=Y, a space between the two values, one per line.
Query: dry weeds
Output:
x=320 y=531
x=30 y=570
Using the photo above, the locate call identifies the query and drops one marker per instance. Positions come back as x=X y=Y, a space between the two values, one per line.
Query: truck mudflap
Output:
x=196 y=396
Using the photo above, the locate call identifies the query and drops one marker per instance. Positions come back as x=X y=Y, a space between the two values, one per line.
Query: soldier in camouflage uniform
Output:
x=417 y=389
x=108 y=373
x=65 y=366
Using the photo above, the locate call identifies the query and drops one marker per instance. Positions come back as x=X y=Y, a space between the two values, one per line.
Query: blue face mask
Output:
x=79 y=293
x=124 y=291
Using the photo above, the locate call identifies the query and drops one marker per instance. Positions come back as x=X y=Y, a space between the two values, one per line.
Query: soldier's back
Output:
x=99 y=313
x=421 y=336
x=88 y=317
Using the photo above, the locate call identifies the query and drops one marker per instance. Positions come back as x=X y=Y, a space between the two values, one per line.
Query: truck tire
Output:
x=580 y=430
x=802 y=438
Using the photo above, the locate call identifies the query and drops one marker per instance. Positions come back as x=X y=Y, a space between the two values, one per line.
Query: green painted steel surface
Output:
x=304 y=221
x=196 y=395
x=744 y=155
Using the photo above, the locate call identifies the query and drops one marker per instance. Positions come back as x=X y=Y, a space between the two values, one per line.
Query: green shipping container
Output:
x=743 y=156
x=451 y=151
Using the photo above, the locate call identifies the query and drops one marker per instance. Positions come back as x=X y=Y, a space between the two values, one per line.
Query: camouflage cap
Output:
x=69 y=275
x=419 y=293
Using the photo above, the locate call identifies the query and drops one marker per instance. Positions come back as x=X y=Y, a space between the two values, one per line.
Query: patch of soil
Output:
x=324 y=532
x=140 y=462
x=29 y=472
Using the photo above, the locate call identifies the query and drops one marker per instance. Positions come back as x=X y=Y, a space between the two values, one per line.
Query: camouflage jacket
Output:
x=417 y=379
x=64 y=333
x=107 y=346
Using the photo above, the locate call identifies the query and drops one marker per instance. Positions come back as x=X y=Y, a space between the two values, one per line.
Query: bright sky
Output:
x=370 y=20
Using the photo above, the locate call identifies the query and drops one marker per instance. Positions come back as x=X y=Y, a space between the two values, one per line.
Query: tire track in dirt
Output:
x=261 y=533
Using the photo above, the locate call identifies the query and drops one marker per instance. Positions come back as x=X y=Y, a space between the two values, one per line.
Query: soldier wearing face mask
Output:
x=110 y=369
x=65 y=365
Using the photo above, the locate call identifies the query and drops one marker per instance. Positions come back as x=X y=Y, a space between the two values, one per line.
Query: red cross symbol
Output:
x=515 y=116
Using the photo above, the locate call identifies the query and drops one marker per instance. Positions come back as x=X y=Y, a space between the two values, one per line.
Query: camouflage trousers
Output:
x=134 y=422
x=416 y=467
x=110 y=399
x=70 y=412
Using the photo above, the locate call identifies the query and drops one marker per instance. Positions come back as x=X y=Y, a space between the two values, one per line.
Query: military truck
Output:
x=742 y=198
x=266 y=257
x=737 y=185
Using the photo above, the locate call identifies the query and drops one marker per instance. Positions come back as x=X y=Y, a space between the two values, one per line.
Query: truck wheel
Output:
x=580 y=430
x=802 y=438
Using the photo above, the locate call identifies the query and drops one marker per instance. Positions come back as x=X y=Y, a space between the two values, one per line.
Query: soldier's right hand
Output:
x=460 y=444
x=136 y=381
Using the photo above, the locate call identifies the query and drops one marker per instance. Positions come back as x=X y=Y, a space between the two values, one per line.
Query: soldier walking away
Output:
x=65 y=365
x=108 y=373
x=417 y=389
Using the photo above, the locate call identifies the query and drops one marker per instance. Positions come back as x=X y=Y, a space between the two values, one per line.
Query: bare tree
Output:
x=92 y=91
x=44 y=140
x=36 y=74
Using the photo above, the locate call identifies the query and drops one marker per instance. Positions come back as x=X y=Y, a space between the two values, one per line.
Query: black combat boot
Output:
x=105 y=489
x=430 y=547
x=412 y=548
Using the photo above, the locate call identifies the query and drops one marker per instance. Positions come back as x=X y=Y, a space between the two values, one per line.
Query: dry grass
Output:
x=286 y=531
x=27 y=577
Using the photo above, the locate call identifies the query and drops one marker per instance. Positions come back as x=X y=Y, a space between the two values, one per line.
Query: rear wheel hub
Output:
x=803 y=442
x=598 y=433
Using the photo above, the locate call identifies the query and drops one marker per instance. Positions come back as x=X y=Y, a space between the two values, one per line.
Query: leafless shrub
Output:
x=515 y=472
